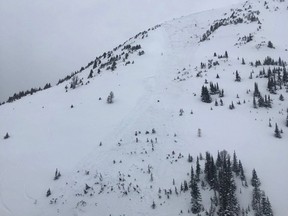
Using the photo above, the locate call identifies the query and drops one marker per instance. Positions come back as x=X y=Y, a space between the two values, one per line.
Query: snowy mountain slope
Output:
x=60 y=39
x=46 y=133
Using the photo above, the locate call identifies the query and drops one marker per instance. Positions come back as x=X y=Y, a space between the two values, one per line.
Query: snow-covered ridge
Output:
x=130 y=157
x=107 y=61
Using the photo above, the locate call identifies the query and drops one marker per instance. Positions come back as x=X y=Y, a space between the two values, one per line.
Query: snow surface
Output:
x=46 y=133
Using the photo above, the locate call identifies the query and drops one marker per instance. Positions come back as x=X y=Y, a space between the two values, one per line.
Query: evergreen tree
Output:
x=235 y=166
x=207 y=163
x=238 y=78
x=210 y=171
x=57 y=174
x=221 y=94
x=233 y=202
x=266 y=207
x=268 y=102
x=181 y=188
x=261 y=101
x=228 y=204
x=192 y=177
x=95 y=64
x=242 y=174
x=255 y=182
x=190 y=158
x=195 y=198
x=256 y=201
x=254 y=103
x=185 y=186
x=277 y=132
x=218 y=161
x=270 y=45
x=113 y=67
x=213 y=181
x=205 y=95
x=270 y=85
x=285 y=76
x=110 y=98
x=90 y=74
x=256 y=90
x=260 y=204
x=151 y=177
x=48 y=85
x=48 y=193
x=231 y=106
x=198 y=170
x=199 y=132
x=74 y=82
x=270 y=125
x=153 y=206
x=221 y=102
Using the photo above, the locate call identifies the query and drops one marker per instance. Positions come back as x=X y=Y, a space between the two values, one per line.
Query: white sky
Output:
x=43 y=40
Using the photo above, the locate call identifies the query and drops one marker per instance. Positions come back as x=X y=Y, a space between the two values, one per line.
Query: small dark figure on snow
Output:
x=6 y=136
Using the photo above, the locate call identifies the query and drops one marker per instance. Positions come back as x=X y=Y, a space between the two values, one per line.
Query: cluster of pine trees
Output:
x=221 y=176
x=245 y=39
x=75 y=81
x=234 y=19
x=277 y=78
x=205 y=95
x=261 y=102
x=108 y=60
x=214 y=89
x=260 y=203
x=268 y=61
x=221 y=56
x=21 y=94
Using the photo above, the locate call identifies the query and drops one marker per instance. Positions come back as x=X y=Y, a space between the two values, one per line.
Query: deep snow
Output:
x=47 y=134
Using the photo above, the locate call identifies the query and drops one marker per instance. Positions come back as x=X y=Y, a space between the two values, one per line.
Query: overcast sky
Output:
x=43 y=40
